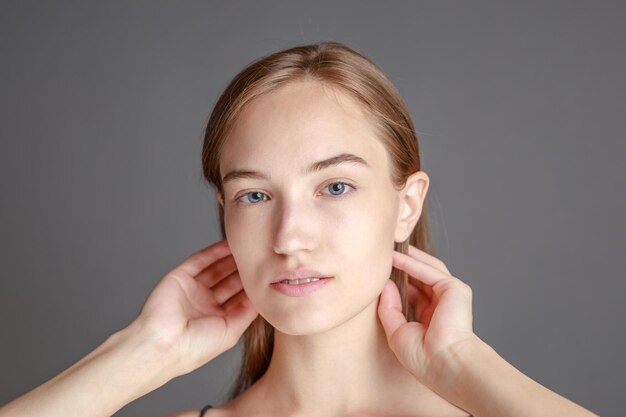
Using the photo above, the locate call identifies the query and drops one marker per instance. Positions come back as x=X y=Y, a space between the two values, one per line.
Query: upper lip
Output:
x=299 y=273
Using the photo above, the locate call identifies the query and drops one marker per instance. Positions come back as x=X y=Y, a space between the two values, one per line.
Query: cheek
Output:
x=367 y=242
x=243 y=229
x=244 y=240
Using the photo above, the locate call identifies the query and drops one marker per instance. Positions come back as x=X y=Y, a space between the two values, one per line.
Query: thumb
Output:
x=390 y=310
x=403 y=337
x=230 y=327
x=238 y=318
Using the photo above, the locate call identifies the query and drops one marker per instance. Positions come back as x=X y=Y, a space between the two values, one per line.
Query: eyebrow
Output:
x=314 y=167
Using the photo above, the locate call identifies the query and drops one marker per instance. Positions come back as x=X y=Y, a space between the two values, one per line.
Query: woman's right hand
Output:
x=198 y=310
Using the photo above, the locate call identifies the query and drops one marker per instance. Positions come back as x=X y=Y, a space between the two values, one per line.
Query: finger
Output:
x=415 y=300
x=454 y=305
x=419 y=300
x=418 y=287
x=420 y=255
x=217 y=271
x=227 y=287
x=390 y=309
x=413 y=294
x=404 y=338
x=203 y=258
x=236 y=299
x=439 y=281
x=238 y=319
x=427 y=290
x=418 y=269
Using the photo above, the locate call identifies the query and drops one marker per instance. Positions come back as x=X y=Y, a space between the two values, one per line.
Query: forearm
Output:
x=480 y=381
x=120 y=370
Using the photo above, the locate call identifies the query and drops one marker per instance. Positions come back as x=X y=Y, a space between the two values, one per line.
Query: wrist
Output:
x=146 y=359
x=474 y=377
x=459 y=368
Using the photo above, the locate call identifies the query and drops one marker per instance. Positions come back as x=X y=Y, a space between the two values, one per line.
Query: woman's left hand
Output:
x=443 y=307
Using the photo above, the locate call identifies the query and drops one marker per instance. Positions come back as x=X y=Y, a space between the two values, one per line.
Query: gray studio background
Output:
x=520 y=111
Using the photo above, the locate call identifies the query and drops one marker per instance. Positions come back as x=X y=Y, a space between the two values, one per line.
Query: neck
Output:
x=349 y=369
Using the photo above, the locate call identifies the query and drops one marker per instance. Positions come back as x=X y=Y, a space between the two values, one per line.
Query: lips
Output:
x=300 y=273
x=301 y=290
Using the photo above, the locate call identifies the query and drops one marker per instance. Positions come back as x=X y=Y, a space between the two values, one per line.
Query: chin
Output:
x=300 y=323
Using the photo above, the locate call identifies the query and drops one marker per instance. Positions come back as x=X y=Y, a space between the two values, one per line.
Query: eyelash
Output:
x=354 y=188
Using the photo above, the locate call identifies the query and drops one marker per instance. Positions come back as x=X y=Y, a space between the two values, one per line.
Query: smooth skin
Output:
x=199 y=310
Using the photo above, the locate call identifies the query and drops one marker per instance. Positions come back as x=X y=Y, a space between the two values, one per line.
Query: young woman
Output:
x=325 y=268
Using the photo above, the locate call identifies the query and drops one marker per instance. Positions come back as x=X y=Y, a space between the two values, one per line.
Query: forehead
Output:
x=299 y=123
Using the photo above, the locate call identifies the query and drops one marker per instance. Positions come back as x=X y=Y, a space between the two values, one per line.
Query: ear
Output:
x=411 y=198
x=220 y=198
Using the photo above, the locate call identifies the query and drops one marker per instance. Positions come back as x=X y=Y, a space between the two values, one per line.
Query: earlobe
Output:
x=412 y=199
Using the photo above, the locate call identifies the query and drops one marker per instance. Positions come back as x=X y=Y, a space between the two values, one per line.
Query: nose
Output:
x=293 y=228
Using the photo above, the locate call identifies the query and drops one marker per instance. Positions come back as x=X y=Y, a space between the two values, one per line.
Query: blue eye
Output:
x=338 y=189
x=255 y=195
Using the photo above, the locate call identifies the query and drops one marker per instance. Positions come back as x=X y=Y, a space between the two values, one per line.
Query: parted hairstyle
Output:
x=336 y=65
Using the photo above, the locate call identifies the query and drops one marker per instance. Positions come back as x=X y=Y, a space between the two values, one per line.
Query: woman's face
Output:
x=340 y=220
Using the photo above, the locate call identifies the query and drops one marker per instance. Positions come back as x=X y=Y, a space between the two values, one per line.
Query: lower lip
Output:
x=299 y=290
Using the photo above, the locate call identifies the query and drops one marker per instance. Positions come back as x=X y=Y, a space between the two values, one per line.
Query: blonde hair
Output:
x=339 y=66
